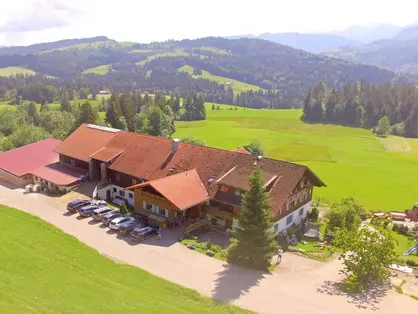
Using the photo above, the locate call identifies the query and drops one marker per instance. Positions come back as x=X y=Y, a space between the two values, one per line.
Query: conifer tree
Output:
x=254 y=242
x=65 y=101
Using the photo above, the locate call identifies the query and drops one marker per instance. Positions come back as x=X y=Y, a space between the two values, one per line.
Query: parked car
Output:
x=115 y=223
x=142 y=234
x=87 y=211
x=119 y=200
x=100 y=203
x=101 y=211
x=75 y=205
x=107 y=218
x=127 y=227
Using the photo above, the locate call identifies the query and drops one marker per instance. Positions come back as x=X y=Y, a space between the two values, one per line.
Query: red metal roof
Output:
x=184 y=189
x=61 y=174
x=25 y=159
x=242 y=150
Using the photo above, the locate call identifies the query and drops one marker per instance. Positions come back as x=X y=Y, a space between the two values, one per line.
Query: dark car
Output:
x=75 y=205
x=144 y=233
x=106 y=219
x=86 y=211
x=127 y=227
x=115 y=223
x=101 y=211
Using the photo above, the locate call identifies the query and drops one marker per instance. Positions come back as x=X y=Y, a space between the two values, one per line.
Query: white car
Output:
x=100 y=203
x=115 y=223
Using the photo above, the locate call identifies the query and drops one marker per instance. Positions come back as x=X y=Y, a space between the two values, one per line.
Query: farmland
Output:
x=50 y=271
x=177 y=53
x=238 y=86
x=9 y=71
x=351 y=161
x=100 y=70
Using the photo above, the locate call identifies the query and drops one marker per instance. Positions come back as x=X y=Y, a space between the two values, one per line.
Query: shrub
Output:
x=313 y=214
x=400 y=228
x=398 y=129
x=411 y=263
x=415 y=228
x=208 y=245
x=209 y=253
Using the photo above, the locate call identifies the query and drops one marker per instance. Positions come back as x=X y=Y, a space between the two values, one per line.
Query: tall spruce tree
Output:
x=254 y=242
x=65 y=101
x=113 y=111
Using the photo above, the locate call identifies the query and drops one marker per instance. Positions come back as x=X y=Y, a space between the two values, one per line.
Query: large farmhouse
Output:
x=166 y=179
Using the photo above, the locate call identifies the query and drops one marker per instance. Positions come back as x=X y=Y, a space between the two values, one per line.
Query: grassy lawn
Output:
x=404 y=245
x=238 y=87
x=9 y=71
x=201 y=246
x=214 y=50
x=100 y=70
x=349 y=160
x=44 y=270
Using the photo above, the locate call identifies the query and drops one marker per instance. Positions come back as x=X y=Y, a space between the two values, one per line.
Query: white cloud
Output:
x=144 y=21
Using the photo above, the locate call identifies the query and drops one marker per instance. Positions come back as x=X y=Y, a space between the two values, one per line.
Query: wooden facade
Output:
x=74 y=162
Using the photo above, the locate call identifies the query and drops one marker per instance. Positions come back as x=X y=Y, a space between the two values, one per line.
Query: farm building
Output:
x=169 y=180
x=38 y=163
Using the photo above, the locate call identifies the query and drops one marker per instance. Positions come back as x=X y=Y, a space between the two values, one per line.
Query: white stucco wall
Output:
x=101 y=194
x=297 y=218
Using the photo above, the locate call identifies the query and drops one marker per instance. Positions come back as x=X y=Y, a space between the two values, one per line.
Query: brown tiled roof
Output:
x=184 y=189
x=242 y=150
x=106 y=153
x=238 y=177
x=152 y=158
x=85 y=141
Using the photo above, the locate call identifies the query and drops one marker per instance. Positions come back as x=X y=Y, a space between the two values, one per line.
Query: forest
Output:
x=363 y=105
x=283 y=74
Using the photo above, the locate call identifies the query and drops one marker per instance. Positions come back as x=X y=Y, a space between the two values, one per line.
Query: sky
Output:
x=26 y=22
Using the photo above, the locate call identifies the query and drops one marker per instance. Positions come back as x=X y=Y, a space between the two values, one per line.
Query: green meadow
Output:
x=381 y=173
x=238 y=86
x=99 y=70
x=9 y=71
x=44 y=270
x=177 y=53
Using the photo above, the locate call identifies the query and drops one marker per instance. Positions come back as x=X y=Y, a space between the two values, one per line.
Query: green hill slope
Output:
x=50 y=271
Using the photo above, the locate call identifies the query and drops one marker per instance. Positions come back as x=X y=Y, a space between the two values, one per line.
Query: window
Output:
x=121 y=192
x=114 y=190
x=163 y=212
x=117 y=177
x=144 y=204
x=237 y=192
x=301 y=212
x=289 y=219
x=131 y=195
x=134 y=181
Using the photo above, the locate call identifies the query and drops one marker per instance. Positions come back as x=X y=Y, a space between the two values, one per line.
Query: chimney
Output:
x=175 y=145
x=258 y=160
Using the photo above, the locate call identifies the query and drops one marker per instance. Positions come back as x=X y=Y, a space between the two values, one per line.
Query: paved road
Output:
x=299 y=286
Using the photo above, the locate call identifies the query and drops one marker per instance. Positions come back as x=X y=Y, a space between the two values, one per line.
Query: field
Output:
x=178 y=53
x=52 y=272
x=9 y=71
x=100 y=70
x=351 y=161
x=403 y=245
x=238 y=87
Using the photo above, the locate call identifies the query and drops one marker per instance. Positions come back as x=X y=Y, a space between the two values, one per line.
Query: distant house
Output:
x=104 y=92
x=229 y=84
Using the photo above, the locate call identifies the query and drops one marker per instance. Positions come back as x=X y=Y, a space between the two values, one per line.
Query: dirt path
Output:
x=300 y=285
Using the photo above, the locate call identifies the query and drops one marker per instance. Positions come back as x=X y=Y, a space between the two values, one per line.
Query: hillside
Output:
x=281 y=74
x=308 y=42
x=396 y=55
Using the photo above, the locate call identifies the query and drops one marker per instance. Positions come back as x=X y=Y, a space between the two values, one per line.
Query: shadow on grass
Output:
x=369 y=299
x=234 y=281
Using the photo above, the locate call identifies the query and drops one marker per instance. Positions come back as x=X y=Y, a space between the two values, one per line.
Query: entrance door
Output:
x=108 y=194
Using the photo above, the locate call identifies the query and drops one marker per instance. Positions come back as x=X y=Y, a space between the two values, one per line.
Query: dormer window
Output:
x=237 y=192
x=224 y=188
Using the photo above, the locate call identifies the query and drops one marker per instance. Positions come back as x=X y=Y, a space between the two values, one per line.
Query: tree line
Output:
x=28 y=122
x=363 y=105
